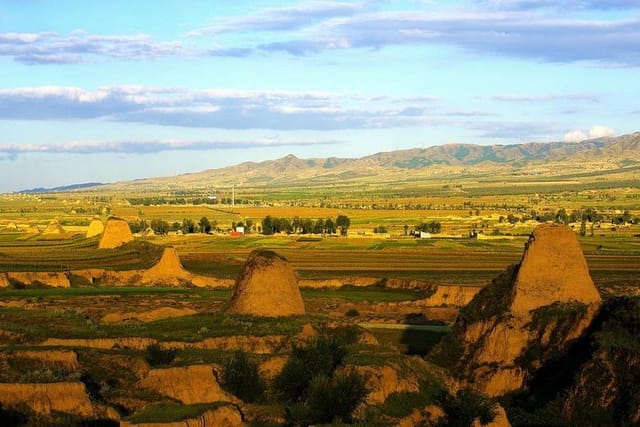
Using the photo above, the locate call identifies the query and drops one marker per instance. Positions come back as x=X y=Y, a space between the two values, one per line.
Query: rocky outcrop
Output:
x=267 y=286
x=168 y=271
x=96 y=228
x=553 y=268
x=116 y=233
x=225 y=415
x=41 y=278
x=188 y=385
x=67 y=397
x=525 y=317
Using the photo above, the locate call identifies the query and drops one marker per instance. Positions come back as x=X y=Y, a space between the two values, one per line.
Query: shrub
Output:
x=240 y=376
x=352 y=313
x=156 y=355
x=463 y=408
x=329 y=400
x=320 y=358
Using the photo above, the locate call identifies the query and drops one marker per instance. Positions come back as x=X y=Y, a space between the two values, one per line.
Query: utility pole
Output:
x=233 y=195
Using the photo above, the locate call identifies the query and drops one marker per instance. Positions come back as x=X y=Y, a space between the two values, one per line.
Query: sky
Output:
x=104 y=91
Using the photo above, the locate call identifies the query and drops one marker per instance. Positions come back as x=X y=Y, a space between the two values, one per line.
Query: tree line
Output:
x=273 y=225
x=187 y=226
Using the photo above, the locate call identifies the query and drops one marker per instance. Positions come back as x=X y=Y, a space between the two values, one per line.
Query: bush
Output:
x=329 y=400
x=465 y=407
x=157 y=356
x=240 y=376
x=352 y=313
x=320 y=358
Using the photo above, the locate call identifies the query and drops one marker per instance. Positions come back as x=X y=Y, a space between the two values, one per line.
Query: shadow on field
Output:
x=421 y=334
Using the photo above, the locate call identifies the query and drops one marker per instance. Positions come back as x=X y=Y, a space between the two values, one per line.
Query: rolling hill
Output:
x=450 y=160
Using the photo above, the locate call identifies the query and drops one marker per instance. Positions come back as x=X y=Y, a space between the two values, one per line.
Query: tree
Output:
x=160 y=226
x=343 y=223
x=249 y=224
x=562 y=217
x=188 y=226
x=205 y=225
x=430 y=227
x=330 y=226
x=268 y=226
x=138 y=226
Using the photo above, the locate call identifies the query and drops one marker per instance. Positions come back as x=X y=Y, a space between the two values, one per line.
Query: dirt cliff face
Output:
x=116 y=233
x=553 y=268
x=68 y=397
x=189 y=384
x=525 y=317
x=43 y=278
x=267 y=286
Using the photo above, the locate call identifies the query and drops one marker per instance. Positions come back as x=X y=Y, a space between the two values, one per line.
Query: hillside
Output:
x=549 y=159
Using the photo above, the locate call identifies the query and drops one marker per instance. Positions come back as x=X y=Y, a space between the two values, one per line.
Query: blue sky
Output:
x=109 y=91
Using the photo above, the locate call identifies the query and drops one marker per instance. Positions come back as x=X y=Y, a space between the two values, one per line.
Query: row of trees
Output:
x=187 y=226
x=273 y=225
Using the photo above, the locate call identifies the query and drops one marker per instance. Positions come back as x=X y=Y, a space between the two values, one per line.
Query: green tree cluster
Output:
x=273 y=225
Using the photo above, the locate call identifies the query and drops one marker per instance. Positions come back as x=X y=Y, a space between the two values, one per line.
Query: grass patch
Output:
x=171 y=412
x=371 y=294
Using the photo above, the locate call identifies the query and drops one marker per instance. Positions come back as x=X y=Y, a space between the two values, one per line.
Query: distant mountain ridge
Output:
x=609 y=152
x=61 y=188
x=623 y=149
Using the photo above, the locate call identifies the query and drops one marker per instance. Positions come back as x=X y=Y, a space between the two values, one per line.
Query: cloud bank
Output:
x=596 y=131
x=214 y=108
x=541 y=30
x=146 y=147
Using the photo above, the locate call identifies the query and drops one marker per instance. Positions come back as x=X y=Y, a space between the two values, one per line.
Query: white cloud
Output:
x=575 y=136
x=153 y=146
x=596 y=131
x=600 y=131
x=211 y=108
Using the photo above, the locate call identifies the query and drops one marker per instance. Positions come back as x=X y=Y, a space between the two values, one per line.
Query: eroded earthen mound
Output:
x=168 y=271
x=54 y=228
x=116 y=233
x=96 y=227
x=553 y=269
x=267 y=286
x=525 y=317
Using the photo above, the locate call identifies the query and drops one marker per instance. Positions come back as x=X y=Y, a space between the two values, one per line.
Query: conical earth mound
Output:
x=267 y=286
x=54 y=228
x=116 y=233
x=553 y=269
x=96 y=227
x=168 y=271
x=525 y=317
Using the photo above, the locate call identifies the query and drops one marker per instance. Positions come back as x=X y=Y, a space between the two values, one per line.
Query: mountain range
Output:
x=535 y=158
